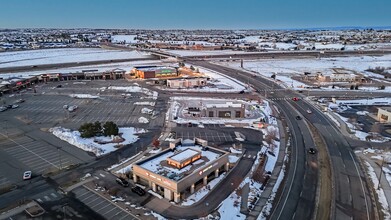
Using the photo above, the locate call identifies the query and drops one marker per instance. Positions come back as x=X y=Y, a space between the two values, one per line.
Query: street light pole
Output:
x=59 y=157
x=381 y=171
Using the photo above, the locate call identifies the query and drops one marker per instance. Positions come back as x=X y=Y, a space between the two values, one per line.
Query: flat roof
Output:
x=387 y=108
x=158 y=163
x=154 y=68
x=184 y=155
x=224 y=105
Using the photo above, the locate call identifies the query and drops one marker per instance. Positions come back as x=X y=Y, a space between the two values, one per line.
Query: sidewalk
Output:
x=384 y=184
x=273 y=178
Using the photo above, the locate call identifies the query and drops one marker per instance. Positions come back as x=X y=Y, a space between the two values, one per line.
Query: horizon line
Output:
x=208 y=29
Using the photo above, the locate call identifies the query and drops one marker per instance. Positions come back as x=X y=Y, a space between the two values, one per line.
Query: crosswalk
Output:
x=48 y=196
x=280 y=98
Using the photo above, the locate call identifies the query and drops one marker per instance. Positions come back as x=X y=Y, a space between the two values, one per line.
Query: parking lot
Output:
x=46 y=106
x=24 y=138
x=211 y=136
x=23 y=153
x=102 y=206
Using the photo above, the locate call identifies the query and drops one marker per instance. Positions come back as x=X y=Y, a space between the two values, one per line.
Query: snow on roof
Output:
x=157 y=163
x=184 y=155
x=154 y=68
x=224 y=105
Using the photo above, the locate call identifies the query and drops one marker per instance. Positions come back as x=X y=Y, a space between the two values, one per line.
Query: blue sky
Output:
x=200 y=14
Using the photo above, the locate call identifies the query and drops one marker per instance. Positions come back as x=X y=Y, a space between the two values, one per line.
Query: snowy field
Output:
x=90 y=144
x=128 y=39
x=286 y=68
x=66 y=55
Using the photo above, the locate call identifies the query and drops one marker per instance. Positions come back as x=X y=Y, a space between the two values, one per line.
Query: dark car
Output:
x=298 y=117
x=138 y=190
x=122 y=182
x=312 y=150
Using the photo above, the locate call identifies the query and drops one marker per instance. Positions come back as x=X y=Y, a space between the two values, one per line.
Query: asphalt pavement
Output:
x=351 y=198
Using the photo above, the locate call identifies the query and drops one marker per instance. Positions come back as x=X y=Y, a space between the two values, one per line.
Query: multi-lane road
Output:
x=351 y=200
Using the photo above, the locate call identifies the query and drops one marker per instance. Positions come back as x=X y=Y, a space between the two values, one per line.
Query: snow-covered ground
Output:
x=89 y=144
x=65 y=55
x=286 y=68
x=201 y=193
x=374 y=101
x=143 y=120
x=134 y=88
x=123 y=39
x=379 y=191
x=83 y=96
x=318 y=45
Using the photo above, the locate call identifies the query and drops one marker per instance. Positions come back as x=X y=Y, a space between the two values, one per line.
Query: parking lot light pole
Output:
x=59 y=156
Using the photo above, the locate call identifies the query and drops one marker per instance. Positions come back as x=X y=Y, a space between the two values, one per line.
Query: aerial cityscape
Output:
x=195 y=110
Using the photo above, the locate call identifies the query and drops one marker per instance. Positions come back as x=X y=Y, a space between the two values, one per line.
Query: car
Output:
x=15 y=106
x=295 y=99
x=309 y=111
x=123 y=182
x=2 y=108
x=298 y=117
x=138 y=190
x=8 y=106
x=59 y=86
x=27 y=175
x=19 y=101
x=312 y=150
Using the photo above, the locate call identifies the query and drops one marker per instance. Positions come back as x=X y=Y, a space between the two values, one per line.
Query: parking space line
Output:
x=108 y=204
x=91 y=201
x=85 y=192
x=88 y=196
x=110 y=210
x=93 y=206
x=111 y=217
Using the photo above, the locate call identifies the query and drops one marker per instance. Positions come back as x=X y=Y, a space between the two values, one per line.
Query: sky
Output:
x=200 y=14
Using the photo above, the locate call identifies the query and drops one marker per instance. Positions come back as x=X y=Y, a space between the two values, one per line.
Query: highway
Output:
x=351 y=200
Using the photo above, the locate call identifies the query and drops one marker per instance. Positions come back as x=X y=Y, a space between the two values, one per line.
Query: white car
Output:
x=309 y=111
x=15 y=106
x=27 y=175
